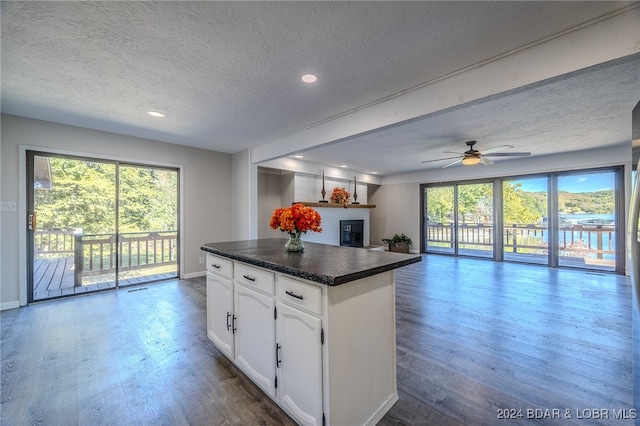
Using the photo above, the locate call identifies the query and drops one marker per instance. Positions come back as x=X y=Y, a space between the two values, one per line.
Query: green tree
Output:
x=522 y=207
x=440 y=204
x=475 y=203
x=147 y=199
x=84 y=194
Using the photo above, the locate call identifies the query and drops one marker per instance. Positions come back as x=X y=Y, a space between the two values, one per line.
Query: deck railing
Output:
x=95 y=254
x=574 y=240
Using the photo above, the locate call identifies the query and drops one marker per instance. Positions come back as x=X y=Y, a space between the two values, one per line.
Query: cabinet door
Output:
x=300 y=367
x=220 y=313
x=255 y=336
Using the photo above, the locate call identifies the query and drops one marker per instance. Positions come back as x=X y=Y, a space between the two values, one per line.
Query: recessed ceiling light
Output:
x=374 y=173
x=155 y=114
x=298 y=156
x=343 y=166
x=309 y=78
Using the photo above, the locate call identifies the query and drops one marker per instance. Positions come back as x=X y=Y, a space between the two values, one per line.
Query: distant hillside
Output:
x=598 y=202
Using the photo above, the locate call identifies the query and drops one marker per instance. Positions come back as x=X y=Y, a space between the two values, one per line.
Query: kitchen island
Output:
x=314 y=330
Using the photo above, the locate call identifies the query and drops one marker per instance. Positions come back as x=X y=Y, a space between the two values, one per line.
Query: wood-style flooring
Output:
x=475 y=339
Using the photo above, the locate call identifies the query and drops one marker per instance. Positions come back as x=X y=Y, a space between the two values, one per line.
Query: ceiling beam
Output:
x=609 y=38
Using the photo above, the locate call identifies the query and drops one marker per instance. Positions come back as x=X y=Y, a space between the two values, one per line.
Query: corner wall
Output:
x=397 y=212
x=205 y=189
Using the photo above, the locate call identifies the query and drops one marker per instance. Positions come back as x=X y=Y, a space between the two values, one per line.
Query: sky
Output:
x=587 y=182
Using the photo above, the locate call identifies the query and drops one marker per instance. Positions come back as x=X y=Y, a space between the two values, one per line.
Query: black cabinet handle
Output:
x=249 y=277
x=215 y=266
x=292 y=294
x=278 y=360
x=228 y=323
x=233 y=324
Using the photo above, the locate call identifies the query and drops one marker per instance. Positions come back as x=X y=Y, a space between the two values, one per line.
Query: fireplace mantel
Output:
x=337 y=205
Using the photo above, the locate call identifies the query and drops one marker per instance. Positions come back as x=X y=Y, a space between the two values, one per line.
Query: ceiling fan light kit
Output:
x=472 y=156
x=471 y=160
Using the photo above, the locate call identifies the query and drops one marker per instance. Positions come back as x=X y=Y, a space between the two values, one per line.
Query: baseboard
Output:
x=9 y=305
x=386 y=406
x=194 y=275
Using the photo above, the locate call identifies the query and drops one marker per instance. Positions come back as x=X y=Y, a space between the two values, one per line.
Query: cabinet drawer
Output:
x=220 y=265
x=299 y=294
x=255 y=278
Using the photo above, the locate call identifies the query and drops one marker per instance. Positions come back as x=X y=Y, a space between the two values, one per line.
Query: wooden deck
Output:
x=55 y=278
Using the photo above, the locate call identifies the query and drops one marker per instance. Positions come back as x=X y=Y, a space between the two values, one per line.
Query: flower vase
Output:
x=295 y=244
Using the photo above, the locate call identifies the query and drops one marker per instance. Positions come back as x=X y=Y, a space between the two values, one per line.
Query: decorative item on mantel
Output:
x=323 y=192
x=355 y=191
x=340 y=196
x=296 y=220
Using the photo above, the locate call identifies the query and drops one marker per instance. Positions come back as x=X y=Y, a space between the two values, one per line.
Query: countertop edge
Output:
x=319 y=278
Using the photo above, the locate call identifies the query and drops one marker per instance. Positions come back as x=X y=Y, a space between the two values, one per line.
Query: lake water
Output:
x=577 y=219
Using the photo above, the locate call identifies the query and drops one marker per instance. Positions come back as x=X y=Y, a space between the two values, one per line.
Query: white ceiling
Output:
x=227 y=74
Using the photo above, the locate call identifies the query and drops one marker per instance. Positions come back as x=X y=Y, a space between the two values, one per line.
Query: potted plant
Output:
x=398 y=243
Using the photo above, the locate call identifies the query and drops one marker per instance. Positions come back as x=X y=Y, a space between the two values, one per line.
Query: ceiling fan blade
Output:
x=439 y=159
x=451 y=152
x=451 y=164
x=485 y=161
x=495 y=149
x=508 y=154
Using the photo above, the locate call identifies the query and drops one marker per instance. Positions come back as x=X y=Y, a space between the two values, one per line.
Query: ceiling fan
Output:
x=472 y=156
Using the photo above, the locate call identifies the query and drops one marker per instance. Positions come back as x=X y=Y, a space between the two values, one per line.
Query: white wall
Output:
x=244 y=199
x=270 y=190
x=205 y=185
x=281 y=188
x=397 y=212
x=308 y=188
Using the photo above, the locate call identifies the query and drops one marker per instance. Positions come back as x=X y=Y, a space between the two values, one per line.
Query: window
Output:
x=558 y=219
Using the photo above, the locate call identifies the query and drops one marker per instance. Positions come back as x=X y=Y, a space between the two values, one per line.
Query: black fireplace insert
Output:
x=351 y=233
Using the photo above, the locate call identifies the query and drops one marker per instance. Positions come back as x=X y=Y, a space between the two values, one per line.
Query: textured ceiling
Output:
x=587 y=110
x=227 y=74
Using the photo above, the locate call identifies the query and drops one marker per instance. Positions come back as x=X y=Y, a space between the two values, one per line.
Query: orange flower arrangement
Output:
x=296 y=219
x=340 y=195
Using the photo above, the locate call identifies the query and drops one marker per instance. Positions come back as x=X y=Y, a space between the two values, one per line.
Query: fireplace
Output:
x=351 y=233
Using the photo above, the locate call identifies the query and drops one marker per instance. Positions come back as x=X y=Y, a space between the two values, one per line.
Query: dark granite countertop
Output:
x=322 y=263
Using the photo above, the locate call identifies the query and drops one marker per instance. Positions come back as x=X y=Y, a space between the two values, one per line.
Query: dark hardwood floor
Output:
x=474 y=338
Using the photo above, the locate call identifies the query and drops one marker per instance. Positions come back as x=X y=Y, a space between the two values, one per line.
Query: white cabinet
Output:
x=299 y=356
x=325 y=354
x=220 y=317
x=241 y=317
x=220 y=303
x=299 y=361
x=255 y=336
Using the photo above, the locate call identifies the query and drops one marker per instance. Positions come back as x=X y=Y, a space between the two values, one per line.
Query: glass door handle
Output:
x=32 y=222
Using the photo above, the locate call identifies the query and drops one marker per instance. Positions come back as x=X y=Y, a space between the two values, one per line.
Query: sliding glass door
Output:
x=568 y=219
x=439 y=221
x=147 y=223
x=525 y=220
x=587 y=228
x=97 y=224
x=475 y=219
x=459 y=219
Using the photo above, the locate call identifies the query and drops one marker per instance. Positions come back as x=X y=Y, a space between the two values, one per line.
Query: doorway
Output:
x=96 y=224
x=459 y=219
